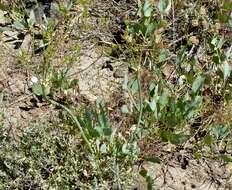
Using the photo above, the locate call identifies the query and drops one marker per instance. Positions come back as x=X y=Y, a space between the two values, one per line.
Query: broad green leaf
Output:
x=164 y=99
x=149 y=180
x=153 y=105
x=37 y=89
x=134 y=85
x=226 y=70
x=18 y=25
x=162 y=55
x=147 y=8
x=214 y=41
x=164 y=6
x=133 y=28
x=150 y=28
x=197 y=84
x=124 y=109
x=125 y=149
x=152 y=89
x=3 y=29
x=220 y=43
x=220 y=131
x=103 y=148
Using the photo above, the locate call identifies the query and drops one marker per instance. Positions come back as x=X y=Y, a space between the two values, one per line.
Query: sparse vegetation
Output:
x=171 y=67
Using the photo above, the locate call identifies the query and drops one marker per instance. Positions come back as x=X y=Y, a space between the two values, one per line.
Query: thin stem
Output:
x=139 y=86
x=75 y=120
x=140 y=99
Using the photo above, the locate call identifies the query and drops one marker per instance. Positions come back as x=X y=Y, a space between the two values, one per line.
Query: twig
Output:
x=181 y=38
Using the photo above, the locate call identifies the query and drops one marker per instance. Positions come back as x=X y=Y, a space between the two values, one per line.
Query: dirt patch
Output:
x=94 y=79
x=177 y=168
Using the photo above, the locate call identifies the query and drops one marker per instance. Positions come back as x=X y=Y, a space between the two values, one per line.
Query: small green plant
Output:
x=169 y=106
x=54 y=157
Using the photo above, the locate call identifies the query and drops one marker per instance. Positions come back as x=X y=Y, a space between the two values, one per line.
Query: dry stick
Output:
x=181 y=38
x=20 y=99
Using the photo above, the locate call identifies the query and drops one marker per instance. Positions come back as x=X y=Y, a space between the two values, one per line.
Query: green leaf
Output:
x=2 y=29
x=226 y=70
x=124 y=109
x=150 y=28
x=143 y=173
x=164 y=6
x=220 y=43
x=197 y=84
x=4 y=7
x=208 y=140
x=179 y=138
x=220 y=131
x=223 y=17
x=226 y=158
x=152 y=105
x=163 y=55
x=214 y=41
x=227 y=5
x=125 y=149
x=181 y=55
x=134 y=85
x=153 y=159
x=18 y=25
x=73 y=83
x=173 y=138
x=133 y=28
x=147 y=8
x=37 y=89
x=103 y=148
x=149 y=180
x=164 y=99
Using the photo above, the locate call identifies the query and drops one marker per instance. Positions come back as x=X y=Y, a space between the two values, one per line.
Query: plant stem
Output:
x=140 y=99
x=75 y=120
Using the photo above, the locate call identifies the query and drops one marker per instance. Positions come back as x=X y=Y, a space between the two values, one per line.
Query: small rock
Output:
x=3 y=19
x=26 y=45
